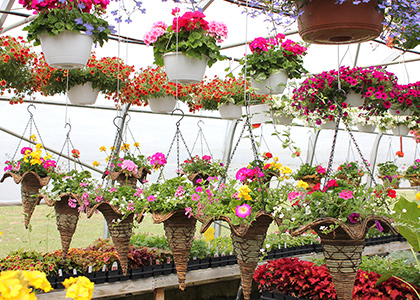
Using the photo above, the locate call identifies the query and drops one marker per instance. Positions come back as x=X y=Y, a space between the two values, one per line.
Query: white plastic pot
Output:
x=183 y=69
x=164 y=104
x=229 y=111
x=83 y=94
x=354 y=99
x=67 y=50
x=283 y=120
x=400 y=130
x=366 y=128
x=399 y=112
x=274 y=84
x=259 y=113
x=328 y=125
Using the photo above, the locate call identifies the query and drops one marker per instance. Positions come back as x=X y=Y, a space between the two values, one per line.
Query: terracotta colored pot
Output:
x=324 y=22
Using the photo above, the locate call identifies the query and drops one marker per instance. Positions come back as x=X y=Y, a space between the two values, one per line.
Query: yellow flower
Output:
x=107 y=159
x=136 y=144
x=244 y=192
x=418 y=196
x=125 y=147
x=95 y=163
x=102 y=149
x=302 y=184
x=38 y=280
x=48 y=156
x=33 y=138
x=39 y=146
x=1 y=233
x=14 y=285
x=286 y=170
x=112 y=148
x=80 y=288
x=209 y=234
x=35 y=161
x=276 y=158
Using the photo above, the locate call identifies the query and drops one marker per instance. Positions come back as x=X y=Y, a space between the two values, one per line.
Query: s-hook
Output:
x=68 y=132
x=30 y=113
x=178 y=123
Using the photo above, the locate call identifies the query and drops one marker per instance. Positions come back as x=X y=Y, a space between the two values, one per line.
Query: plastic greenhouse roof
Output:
x=92 y=128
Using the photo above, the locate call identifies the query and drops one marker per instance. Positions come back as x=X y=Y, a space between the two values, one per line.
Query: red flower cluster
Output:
x=190 y=21
x=304 y=279
x=46 y=5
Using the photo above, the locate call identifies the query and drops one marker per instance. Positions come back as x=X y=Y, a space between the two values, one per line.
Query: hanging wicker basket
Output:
x=196 y=176
x=414 y=179
x=386 y=181
x=180 y=231
x=31 y=183
x=120 y=228
x=355 y=181
x=311 y=180
x=247 y=240
x=343 y=247
x=67 y=217
x=123 y=177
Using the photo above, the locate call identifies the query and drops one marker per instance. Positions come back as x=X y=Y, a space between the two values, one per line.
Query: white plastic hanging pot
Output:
x=283 y=120
x=274 y=84
x=183 y=69
x=259 y=113
x=399 y=112
x=354 y=99
x=164 y=104
x=230 y=111
x=328 y=125
x=365 y=128
x=66 y=50
x=400 y=130
x=83 y=94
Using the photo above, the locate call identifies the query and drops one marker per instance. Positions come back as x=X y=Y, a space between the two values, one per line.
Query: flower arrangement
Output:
x=360 y=116
x=270 y=55
x=212 y=94
x=307 y=170
x=109 y=74
x=400 y=18
x=388 y=168
x=414 y=169
x=190 y=34
x=347 y=203
x=21 y=284
x=152 y=82
x=282 y=106
x=204 y=165
x=16 y=68
x=405 y=96
x=349 y=170
x=32 y=160
x=127 y=199
x=58 y=16
x=316 y=94
x=389 y=121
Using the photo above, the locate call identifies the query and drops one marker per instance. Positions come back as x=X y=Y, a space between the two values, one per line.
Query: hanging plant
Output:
x=17 y=62
x=198 y=169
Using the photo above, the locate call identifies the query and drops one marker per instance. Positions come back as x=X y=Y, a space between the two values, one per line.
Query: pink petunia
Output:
x=151 y=198
x=243 y=211
x=346 y=194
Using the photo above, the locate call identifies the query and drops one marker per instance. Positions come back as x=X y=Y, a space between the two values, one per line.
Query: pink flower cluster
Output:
x=244 y=174
x=158 y=29
x=129 y=165
x=45 y=5
x=218 y=30
x=291 y=48
x=189 y=21
x=157 y=160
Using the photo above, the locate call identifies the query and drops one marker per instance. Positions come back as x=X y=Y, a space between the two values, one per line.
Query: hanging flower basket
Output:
x=180 y=231
x=67 y=50
x=183 y=69
x=67 y=217
x=31 y=183
x=283 y=120
x=164 y=104
x=259 y=113
x=343 y=247
x=273 y=85
x=325 y=22
x=400 y=130
x=354 y=99
x=229 y=111
x=366 y=128
x=387 y=179
x=330 y=125
x=311 y=180
x=400 y=112
x=83 y=94
x=131 y=179
x=247 y=240
x=120 y=228
x=414 y=179
x=355 y=181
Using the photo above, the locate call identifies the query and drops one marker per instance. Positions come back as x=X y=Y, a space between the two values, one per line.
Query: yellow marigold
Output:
x=79 y=288
x=302 y=184
x=95 y=163
x=33 y=137
x=136 y=144
x=102 y=148
x=125 y=147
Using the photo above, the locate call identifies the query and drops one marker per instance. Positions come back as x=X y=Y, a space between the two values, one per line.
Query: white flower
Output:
x=404 y=210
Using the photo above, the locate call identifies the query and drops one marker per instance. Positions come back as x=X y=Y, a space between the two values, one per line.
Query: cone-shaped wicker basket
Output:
x=180 y=231
x=311 y=180
x=120 y=228
x=343 y=248
x=130 y=180
x=31 y=183
x=247 y=241
x=66 y=216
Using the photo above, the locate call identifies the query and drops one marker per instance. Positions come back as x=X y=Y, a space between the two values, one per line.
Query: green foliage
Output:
x=350 y=170
x=414 y=168
x=204 y=164
x=304 y=170
x=388 y=168
x=59 y=20
x=149 y=240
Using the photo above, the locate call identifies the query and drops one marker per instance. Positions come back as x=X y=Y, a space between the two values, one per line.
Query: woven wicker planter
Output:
x=120 y=228
x=396 y=185
x=31 y=183
x=180 y=231
x=414 y=179
x=130 y=180
x=66 y=217
x=247 y=242
x=196 y=176
x=352 y=181
x=311 y=180
x=343 y=248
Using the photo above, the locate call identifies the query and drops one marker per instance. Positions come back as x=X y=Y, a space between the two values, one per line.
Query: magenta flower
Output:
x=112 y=189
x=151 y=198
x=138 y=193
x=320 y=170
x=24 y=149
x=99 y=198
x=378 y=226
x=242 y=173
x=130 y=206
x=258 y=45
x=354 y=218
x=345 y=194
x=72 y=203
x=129 y=165
x=199 y=189
x=157 y=160
x=195 y=197
x=243 y=211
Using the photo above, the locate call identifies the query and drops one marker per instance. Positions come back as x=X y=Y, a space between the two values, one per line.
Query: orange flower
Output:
x=399 y=154
x=75 y=153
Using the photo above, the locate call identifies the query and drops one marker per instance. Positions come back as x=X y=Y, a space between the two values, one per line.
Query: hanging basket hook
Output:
x=68 y=132
x=182 y=116
x=129 y=119
x=29 y=106
x=198 y=124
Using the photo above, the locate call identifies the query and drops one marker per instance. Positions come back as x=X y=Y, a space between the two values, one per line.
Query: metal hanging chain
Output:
x=202 y=137
x=128 y=129
x=69 y=143
x=31 y=122
x=176 y=138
